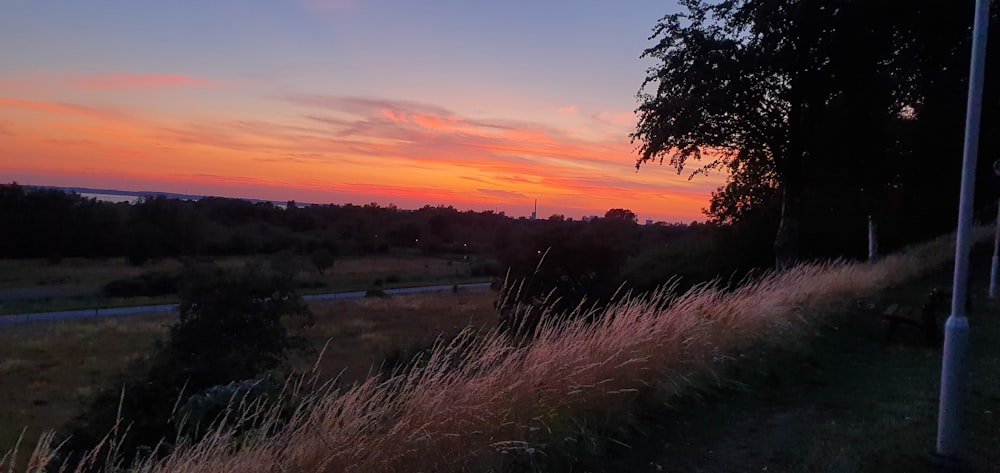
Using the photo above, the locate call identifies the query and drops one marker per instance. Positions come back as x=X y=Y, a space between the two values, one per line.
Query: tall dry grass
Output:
x=477 y=400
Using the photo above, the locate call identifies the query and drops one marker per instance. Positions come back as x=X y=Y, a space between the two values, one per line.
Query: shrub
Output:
x=322 y=259
x=206 y=409
x=230 y=328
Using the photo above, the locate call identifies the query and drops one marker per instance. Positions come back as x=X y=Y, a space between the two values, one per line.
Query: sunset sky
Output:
x=479 y=105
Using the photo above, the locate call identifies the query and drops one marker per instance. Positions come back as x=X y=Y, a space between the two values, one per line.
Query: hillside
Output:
x=647 y=385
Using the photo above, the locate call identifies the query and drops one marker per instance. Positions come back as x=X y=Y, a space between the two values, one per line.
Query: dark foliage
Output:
x=322 y=259
x=824 y=112
x=52 y=224
x=40 y=223
x=230 y=328
x=565 y=264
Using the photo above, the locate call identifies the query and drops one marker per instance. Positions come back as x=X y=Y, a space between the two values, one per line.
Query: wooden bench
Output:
x=924 y=318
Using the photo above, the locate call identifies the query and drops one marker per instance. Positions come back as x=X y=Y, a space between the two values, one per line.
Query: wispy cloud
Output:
x=569 y=110
x=614 y=118
x=226 y=179
x=61 y=108
x=502 y=193
x=105 y=81
x=423 y=131
x=64 y=142
x=137 y=81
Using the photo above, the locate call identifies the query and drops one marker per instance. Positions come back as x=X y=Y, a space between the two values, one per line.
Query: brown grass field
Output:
x=48 y=371
x=485 y=403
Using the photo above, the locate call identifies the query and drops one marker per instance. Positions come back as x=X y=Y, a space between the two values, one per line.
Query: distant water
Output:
x=112 y=197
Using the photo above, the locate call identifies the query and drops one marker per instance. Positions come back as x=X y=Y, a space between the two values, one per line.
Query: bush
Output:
x=565 y=265
x=322 y=259
x=203 y=410
x=230 y=328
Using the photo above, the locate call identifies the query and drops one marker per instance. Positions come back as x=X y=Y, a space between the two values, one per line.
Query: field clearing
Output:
x=49 y=371
x=70 y=274
x=36 y=285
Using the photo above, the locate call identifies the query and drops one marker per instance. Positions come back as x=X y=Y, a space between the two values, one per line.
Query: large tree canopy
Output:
x=827 y=110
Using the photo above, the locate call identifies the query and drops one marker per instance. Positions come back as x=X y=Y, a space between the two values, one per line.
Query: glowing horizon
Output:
x=195 y=128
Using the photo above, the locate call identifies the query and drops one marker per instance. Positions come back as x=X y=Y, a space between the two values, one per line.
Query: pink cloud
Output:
x=137 y=81
x=569 y=110
x=502 y=193
x=615 y=118
x=61 y=108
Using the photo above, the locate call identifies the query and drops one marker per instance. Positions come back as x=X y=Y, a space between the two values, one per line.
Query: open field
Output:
x=50 y=370
x=75 y=283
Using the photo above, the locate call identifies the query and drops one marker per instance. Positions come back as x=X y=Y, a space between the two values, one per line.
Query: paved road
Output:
x=166 y=308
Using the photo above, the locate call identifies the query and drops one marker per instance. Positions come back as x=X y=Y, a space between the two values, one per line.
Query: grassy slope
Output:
x=847 y=402
x=839 y=402
x=497 y=406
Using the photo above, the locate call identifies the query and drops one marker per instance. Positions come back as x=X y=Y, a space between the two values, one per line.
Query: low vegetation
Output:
x=52 y=371
x=485 y=402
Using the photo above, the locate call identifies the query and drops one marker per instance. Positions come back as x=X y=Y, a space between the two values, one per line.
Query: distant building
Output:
x=649 y=221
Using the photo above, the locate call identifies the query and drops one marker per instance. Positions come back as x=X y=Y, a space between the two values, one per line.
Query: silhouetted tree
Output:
x=622 y=215
x=322 y=259
x=824 y=112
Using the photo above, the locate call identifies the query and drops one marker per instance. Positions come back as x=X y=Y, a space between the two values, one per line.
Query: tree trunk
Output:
x=872 y=239
x=790 y=173
x=786 y=241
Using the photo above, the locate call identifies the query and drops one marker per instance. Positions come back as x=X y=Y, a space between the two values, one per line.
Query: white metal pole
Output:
x=872 y=240
x=995 y=265
x=956 y=338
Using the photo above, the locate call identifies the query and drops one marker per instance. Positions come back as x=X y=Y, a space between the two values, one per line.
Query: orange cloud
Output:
x=569 y=110
x=59 y=108
x=137 y=81
x=348 y=149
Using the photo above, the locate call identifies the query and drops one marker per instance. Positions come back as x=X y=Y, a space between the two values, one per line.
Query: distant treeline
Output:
x=48 y=223
x=583 y=259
